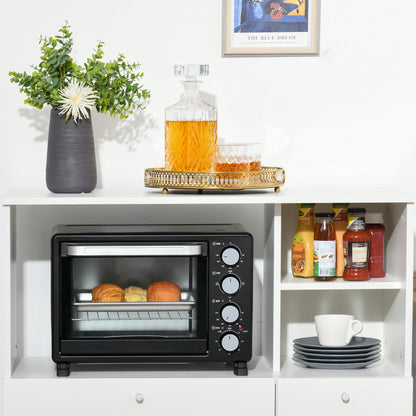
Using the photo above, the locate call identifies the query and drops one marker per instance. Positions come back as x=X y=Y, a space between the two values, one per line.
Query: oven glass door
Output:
x=137 y=327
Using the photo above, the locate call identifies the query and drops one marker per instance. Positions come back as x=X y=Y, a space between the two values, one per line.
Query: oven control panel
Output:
x=230 y=298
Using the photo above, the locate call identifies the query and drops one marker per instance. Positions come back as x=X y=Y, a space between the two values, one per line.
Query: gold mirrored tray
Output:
x=267 y=177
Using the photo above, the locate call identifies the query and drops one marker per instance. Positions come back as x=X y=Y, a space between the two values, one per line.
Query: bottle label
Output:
x=298 y=254
x=357 y=222
x=340 y=213
x=356 y=253
x=305 y=213
x=324 y=260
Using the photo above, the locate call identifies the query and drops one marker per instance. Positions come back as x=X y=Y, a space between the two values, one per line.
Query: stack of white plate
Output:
x=359 y=353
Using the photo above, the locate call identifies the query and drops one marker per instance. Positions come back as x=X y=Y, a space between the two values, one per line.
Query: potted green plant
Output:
x=72 y=90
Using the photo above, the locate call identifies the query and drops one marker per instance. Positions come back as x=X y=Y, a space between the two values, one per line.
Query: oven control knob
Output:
x=230 y=342
x=230 y=285
x=230 y=256
x=230 y=313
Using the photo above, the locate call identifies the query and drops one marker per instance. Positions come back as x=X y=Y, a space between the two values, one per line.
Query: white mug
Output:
x=336 y=330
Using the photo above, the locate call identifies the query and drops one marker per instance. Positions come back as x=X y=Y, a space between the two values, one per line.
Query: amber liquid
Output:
x=237 y=167
x=255 y=166
x=324 y=232
x=189 y=145
x=231 y=167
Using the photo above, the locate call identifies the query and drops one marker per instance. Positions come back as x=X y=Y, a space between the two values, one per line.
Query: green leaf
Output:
x=117 y=83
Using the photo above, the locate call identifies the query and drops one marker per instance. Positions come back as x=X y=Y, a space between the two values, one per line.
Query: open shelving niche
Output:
x=28 y=220
x=283 y=306
x=383 y=304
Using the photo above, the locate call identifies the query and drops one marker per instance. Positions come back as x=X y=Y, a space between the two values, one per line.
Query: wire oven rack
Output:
x=131 y=315
x=86 y=310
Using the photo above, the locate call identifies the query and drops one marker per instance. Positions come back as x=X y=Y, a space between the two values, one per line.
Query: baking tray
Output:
x=83 y=303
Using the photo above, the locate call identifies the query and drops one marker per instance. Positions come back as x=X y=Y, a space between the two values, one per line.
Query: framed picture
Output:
x=271 y=27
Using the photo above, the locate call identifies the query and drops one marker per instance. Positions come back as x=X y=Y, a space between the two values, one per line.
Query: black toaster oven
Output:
x=211 y=265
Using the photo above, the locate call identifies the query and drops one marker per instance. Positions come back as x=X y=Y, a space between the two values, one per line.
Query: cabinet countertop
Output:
x=147 y=196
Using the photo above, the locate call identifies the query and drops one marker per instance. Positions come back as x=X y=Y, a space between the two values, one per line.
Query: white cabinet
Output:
x=283 y=311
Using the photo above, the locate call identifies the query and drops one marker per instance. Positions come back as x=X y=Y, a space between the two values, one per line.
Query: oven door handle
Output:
x=119 y=250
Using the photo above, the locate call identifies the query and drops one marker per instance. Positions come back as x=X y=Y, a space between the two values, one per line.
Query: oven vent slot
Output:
x=132 y=315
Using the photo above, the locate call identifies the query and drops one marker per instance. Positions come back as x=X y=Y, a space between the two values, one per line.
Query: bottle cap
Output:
x=325 y=215
x=191 y=70
x=374 y=218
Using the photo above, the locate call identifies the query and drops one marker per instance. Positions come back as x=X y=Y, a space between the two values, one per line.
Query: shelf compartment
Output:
x=397 y=219
x=381 y=311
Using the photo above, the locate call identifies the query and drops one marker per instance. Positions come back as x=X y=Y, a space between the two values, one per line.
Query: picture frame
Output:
x=271 y=27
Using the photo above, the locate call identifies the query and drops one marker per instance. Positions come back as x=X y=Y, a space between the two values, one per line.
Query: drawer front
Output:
x=144 y=397
x=329 y=397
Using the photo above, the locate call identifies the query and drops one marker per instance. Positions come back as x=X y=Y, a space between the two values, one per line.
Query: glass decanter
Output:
x=190 y=125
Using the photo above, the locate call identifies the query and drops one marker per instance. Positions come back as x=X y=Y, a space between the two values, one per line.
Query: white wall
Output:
x=343 y=118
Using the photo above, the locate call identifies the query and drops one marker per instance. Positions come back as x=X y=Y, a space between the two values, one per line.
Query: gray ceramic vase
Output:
x=70 y=164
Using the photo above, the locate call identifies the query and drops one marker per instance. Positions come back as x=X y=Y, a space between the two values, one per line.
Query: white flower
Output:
x=76 y=99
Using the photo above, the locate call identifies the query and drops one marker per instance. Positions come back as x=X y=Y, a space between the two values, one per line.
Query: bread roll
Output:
x=107 y=292
x=163 y=292
x=134 y=294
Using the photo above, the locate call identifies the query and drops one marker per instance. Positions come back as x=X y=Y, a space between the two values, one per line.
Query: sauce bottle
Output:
x=324 y=248
x=356 y=246
x=302 y=244
x=340 y=224
x=375 y=227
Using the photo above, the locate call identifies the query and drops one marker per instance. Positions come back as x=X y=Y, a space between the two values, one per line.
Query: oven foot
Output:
x=63 y=369
x=240 y=368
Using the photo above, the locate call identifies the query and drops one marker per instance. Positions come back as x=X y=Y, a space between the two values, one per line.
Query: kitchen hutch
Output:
x=284 y=308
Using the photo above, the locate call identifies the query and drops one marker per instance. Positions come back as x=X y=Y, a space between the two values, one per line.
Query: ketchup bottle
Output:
x=376 y=230
x=356 y=246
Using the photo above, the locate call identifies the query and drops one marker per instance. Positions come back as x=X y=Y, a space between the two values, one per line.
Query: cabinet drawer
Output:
x=338 y=396
x=144 y=397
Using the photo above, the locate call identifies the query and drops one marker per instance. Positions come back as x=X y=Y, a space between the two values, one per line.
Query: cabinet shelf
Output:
x=298 y=283
x=44 y=368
